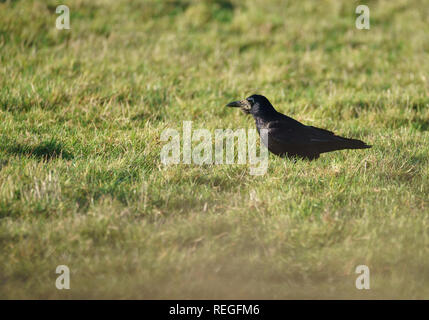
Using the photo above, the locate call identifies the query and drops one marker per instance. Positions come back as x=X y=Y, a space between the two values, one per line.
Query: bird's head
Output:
x=254 y=103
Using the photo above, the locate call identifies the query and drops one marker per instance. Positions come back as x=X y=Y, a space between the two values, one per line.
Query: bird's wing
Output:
x=308 y=138
x=292 y=133
x=320 y=130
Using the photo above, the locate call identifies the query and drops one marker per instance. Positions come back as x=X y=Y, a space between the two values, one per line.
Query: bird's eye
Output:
x=250 y=100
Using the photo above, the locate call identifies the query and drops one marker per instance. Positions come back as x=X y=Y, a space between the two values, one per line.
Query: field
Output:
x=82 y=184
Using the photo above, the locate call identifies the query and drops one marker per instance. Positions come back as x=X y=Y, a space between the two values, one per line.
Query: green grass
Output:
x=82 y=184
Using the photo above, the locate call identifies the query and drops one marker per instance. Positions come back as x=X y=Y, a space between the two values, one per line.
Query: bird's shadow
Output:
x=46 y=150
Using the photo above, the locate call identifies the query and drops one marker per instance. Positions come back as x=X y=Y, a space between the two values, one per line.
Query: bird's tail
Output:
x=347 y=143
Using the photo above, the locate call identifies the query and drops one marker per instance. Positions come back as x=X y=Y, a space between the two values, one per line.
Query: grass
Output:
x=81 y=182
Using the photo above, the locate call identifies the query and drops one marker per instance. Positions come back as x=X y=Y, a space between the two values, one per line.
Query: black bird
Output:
x=290 y=138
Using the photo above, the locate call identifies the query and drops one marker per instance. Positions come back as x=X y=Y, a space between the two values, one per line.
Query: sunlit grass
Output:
x=82 y=184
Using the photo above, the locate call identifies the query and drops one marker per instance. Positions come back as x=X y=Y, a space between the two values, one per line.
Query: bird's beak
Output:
x=244 y=105
x=236 y=104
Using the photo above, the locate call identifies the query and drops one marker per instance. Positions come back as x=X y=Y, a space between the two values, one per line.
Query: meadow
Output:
x=82 y=184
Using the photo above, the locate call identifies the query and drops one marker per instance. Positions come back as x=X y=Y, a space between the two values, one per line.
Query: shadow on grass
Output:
x=46 y=150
